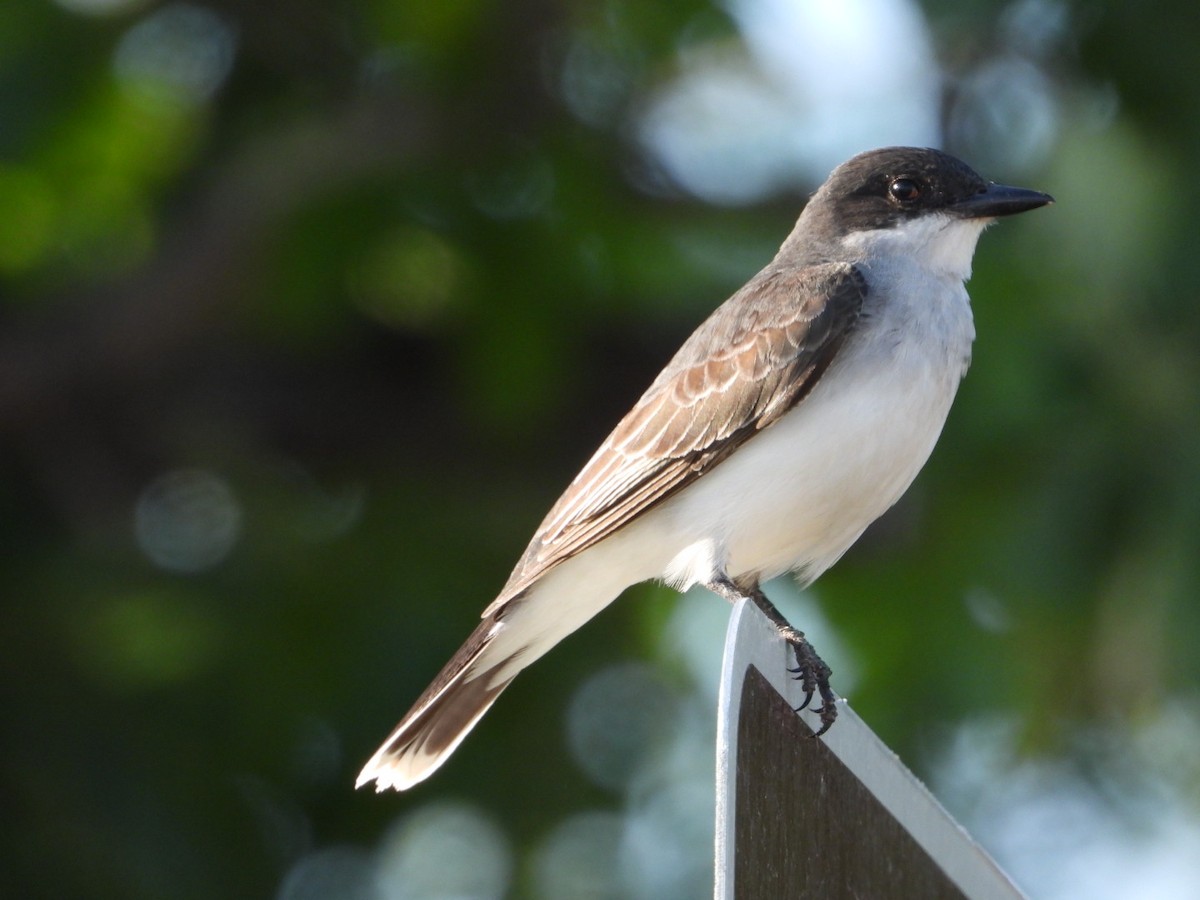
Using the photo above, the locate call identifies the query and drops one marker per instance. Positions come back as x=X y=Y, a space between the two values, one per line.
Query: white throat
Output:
x=939 y=243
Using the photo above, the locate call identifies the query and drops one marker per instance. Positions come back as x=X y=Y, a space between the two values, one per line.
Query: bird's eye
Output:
x=905 y=190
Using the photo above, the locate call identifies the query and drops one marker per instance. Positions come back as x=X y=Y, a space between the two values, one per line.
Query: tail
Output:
x=515 y=631
x=462 y=692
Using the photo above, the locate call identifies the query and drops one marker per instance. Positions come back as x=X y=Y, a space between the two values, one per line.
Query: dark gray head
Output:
x=884 y=189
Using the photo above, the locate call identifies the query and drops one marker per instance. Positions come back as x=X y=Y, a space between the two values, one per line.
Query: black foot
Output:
x=811 y=671
x=813 y=674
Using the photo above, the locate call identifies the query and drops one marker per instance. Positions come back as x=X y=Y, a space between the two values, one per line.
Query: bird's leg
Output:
x=811 y=671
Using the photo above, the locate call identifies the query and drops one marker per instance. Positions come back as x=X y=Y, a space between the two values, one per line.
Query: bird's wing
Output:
x=755 y=358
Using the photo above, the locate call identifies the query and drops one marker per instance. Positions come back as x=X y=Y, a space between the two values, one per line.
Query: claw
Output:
x=825 y=722
x=807 y=700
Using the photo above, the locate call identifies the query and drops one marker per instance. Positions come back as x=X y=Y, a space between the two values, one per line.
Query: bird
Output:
x=795 y=415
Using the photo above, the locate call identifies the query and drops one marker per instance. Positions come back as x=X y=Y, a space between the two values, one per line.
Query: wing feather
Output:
x=750 y=362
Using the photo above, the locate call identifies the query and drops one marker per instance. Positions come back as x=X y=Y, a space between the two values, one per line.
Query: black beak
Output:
x=999 y=200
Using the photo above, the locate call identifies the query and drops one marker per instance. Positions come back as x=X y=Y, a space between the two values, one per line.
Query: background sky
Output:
x=310 y=309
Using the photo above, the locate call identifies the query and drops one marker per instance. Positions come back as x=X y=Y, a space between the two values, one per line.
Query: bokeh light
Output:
x=178 y=54
x=147 y=639
x=616 y=719
x=187 y=520
x=1070 y=836
x=1004 y=115
x=346 y=873
x=666 y=849
x=578 y=859
x=742 y=121
x=101 y=7
x=409 y=279
x=444 y=850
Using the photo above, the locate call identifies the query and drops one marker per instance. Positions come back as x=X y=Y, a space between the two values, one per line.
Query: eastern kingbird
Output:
x=799 y=411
